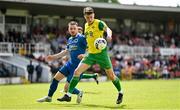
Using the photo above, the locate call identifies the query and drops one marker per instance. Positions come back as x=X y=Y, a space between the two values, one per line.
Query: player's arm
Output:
x=104 y=27
x=109 y=34
x=57 y=56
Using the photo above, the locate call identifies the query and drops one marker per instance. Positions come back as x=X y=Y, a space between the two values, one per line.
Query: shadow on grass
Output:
x=104 y=106
x=95 y=106
x=86 y=92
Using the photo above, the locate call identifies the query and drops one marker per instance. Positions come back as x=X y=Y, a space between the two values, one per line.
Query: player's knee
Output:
x=111 y=76
x=57 y=77
x=77 y=72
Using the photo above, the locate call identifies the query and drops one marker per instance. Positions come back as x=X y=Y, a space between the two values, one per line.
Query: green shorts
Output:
x=102 y=59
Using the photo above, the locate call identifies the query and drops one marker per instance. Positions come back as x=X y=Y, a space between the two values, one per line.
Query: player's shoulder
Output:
x=99 y=21
x=81 y=36
x=101 y=24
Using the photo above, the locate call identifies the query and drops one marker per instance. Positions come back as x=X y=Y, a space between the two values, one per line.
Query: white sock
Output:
x=121 y=91
x=69 y=94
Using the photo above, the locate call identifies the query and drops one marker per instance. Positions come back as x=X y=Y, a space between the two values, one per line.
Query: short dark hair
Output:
x=88 y=10
x=73 y=23
x=80 y=28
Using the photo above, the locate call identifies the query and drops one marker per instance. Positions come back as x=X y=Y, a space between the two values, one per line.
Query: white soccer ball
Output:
x=100 y=43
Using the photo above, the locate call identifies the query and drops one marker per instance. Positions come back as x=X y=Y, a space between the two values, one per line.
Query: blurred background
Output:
x=146 y=37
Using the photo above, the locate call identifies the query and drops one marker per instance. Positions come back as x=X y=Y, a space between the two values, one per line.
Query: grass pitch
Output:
x=138 y=94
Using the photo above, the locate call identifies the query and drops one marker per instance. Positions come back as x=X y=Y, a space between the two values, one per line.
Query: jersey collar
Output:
x=75 y=36
x=91 y=23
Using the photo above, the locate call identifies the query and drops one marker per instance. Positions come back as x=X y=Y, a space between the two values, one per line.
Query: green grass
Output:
x=138 y=94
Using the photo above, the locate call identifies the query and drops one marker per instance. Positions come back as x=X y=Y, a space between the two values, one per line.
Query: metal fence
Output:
x=9 y=49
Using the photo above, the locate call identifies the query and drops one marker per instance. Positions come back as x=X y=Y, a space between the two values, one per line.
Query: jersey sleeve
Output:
x=102 y=25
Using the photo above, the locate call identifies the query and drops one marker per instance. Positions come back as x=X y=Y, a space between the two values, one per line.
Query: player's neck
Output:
x=74 y=35
x=91 y=22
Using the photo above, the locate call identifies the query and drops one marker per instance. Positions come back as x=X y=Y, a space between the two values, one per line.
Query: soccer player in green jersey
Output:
x=94 y=29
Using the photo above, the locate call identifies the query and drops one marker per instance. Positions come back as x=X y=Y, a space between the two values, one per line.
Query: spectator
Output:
x=128 y=71
x=1 y=36
x=96 y=68
x=30 y=69
x=38 y=71
x=4 y=72
x=165 y=72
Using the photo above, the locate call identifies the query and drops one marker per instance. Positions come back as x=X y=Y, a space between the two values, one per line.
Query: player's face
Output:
x=73 y=30
x=89 y=18
x=80 y=30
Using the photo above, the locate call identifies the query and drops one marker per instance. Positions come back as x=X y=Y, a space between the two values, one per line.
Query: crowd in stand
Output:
x=126 y=68
x=147 y=39
x=146 y=67
x=57 y=38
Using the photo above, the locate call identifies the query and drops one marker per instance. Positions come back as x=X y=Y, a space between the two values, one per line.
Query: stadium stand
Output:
x=144 y=45
x=16 y=67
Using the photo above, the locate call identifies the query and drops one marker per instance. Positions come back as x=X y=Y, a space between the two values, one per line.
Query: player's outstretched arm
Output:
x=56 y=56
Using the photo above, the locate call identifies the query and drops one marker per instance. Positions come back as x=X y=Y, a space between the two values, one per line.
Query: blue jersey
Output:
x=76 y=46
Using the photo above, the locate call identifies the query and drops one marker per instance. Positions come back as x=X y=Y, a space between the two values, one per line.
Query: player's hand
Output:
x=49 y=58
x=81 y=56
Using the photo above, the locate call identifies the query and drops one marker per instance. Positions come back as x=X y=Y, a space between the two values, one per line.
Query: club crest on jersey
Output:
x=74 y=41
x=91 y=33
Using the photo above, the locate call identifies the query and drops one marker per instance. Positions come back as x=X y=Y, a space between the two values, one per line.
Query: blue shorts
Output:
x=68 y=70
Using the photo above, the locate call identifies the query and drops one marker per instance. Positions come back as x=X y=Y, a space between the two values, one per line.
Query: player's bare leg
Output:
x=59 y=76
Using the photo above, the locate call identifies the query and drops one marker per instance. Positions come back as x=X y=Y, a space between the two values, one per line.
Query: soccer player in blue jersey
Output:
x=76 y=47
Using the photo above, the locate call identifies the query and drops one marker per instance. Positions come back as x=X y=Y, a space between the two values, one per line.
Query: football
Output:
x=100 y=43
